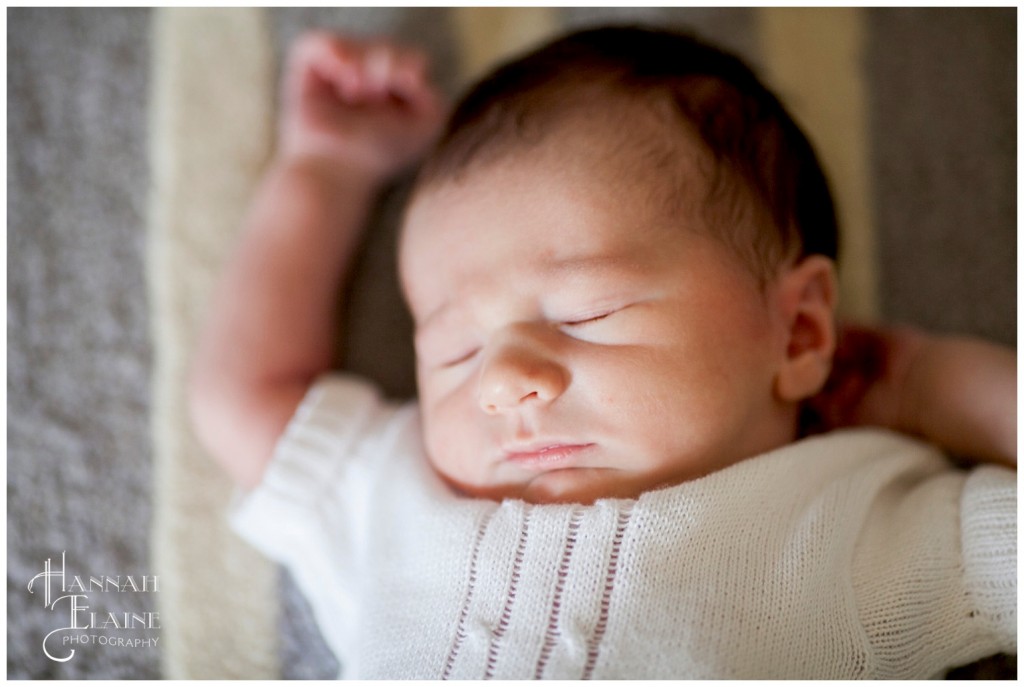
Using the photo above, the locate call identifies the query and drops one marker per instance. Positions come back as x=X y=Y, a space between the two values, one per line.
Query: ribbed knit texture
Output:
x=859 y=554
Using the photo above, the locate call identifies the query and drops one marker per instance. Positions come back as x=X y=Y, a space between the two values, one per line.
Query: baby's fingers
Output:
x=385 y=73
x=314 y=60
x=359 y=72
x=400 y=73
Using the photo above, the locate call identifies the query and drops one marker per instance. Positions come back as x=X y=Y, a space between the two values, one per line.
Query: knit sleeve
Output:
x=325 y=447
x=306 y=510
x=989 y=536
x=934 y=570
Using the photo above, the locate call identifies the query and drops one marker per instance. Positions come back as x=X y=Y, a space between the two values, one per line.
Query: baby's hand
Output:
x=868 y=384
x=366 y=105
x=958 y=392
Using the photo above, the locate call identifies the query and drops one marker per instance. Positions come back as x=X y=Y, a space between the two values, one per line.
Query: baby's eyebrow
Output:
x=594 y=265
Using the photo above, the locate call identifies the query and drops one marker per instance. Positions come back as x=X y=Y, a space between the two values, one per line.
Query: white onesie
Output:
x=857 y=554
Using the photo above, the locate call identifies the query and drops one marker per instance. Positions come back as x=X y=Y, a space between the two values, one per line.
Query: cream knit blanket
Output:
x=210 y=135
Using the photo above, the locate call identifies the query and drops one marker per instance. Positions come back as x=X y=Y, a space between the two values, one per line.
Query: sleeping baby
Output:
x=642 y=447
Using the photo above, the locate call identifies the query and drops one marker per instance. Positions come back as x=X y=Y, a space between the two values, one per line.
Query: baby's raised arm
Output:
x=958 y=392
x=354 y=114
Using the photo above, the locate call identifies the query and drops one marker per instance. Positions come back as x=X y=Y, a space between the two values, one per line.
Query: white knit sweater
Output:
x=859 y=554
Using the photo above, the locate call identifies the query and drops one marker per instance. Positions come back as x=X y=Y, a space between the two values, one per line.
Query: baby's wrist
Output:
x=354 y=181
x=914 y=376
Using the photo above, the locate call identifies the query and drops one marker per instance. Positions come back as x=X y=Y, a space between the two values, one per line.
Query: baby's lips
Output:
x=542 y=456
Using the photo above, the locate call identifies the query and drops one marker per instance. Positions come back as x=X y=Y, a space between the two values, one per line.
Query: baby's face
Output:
x=575 y=343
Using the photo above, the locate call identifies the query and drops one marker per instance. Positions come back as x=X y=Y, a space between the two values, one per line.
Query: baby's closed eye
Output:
x=444 y=350
x=605 y=325
x=456 y=359
x=450 y=347
x=583 y=320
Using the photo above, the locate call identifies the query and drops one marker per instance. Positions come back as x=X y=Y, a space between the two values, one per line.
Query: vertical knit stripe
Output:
x=510 y=598
x=814 y=61
x=460 y=630
x=553 y=632
x=594 y=645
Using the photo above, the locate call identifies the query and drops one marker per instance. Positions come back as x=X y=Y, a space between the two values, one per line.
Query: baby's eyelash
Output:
x=465 y=357
x=588 y=319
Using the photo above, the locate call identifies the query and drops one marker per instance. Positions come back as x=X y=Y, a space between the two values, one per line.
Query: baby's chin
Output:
x=569 y=485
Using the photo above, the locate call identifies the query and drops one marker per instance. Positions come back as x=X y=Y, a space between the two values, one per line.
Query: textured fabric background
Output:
x=940 y=107
x=78 y=353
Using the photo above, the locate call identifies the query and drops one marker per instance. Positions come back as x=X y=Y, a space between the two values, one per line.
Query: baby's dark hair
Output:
x=760 y=158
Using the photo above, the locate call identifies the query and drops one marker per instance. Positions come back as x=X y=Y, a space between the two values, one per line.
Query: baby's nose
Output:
x=514 y=375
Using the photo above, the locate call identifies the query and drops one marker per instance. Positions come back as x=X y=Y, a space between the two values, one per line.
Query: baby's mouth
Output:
x=546 y=456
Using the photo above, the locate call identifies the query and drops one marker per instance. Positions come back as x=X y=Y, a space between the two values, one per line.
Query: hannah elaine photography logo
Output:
x=70 y=597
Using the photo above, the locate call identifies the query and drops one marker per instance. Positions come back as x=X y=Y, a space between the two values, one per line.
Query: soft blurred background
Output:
x=914 y=111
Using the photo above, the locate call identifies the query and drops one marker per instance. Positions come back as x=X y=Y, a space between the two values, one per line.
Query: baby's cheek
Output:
x=436 y=435
x=447 y=441
x=673 y=412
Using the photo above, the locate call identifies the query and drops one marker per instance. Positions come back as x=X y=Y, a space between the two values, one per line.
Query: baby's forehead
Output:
x=580 y=205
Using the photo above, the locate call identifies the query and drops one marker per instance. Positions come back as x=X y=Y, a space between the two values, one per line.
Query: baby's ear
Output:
x=807 y=301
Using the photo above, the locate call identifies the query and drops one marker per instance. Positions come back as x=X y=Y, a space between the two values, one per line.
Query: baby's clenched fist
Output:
x=367 y=105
